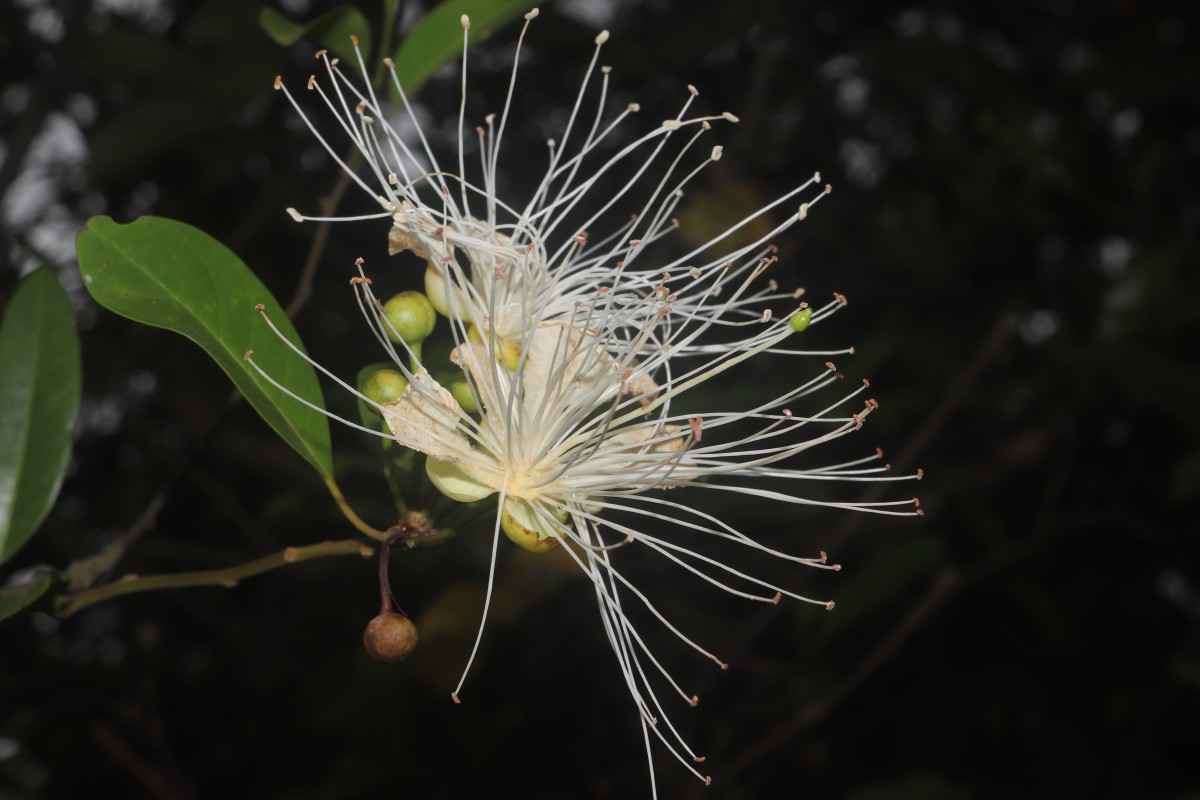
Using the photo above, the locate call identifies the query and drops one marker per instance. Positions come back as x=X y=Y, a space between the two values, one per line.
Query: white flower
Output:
x=577 y=353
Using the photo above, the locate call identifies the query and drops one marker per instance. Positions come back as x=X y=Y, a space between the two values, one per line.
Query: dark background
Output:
x=1014 y=220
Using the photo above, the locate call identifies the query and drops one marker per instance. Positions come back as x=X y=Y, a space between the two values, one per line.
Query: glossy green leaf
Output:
x=39 y=399
x=437 y=38
x=171 y=275
x=14 y=599
x=332 y=30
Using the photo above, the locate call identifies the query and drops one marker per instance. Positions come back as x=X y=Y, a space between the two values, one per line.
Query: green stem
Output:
x=348 y=512
x=393 y=485
x=228 y=577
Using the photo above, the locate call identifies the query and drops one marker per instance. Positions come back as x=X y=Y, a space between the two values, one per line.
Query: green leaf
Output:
x=437 y=38
x=171 y=275
x=16 y=598
x=332 y=30
x=39 y=399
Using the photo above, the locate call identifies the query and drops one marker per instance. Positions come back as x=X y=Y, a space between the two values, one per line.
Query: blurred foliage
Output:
x=1014 y=222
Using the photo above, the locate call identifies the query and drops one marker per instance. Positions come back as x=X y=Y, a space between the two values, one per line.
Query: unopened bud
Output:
x=462 y=393
x=411 y=317
x=384 y=386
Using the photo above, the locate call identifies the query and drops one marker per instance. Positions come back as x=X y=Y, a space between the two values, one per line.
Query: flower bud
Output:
x=435 y=289
x=384 y=386
x=508 y=353
x=390 y=638
x=410 y=316
x=462 y=393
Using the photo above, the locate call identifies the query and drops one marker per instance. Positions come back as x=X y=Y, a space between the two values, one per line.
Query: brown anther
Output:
x=358 y=262
x=354 y=40
x=920 y=512
x=851 y=350
x=454 y=697
x=359 y=281
x=290 y=554
x=674 y=222
x=724 y=666
x=529 y=248
x=447 y=259
x=312 y=81
x=836 y=567
x=387 y=62
x=278 y=81
x=879 y=452
x=319 y=53
x=829 y=606
x=438 y=231
x=694 y=423
x=858 y=423
x=841 y=298
x=774 y=248
x=361 y=107
x=778 y=596
x=695 y=701
x=248 y=354
x=604 y=290
x=479 y=131
x=887 y=467
x=259 y=307
x=787 y=412
x=698 y=759
x=917 y=502
x=579 y=240
x=634 y=242
x=866 y=383
x=829 y=365
x=824 y=556
x=708 y=780
x=620 y=263
x=920 y=473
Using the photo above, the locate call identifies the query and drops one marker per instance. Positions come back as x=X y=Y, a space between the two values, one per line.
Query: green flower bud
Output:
x=462 y=393
x=390 y=638
x=384 y=386
x=508 y=353
x=801 y=318
x=435 y=289
x=411 y=316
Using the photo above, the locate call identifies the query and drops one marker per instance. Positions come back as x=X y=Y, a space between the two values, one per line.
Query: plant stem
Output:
x=348 y=512
x=228 y=577
x=385 y=589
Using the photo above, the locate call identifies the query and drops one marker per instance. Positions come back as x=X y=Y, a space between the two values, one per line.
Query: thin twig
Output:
x=227 y=577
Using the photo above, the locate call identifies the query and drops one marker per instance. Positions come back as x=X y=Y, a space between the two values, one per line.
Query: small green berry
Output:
x=411 y=317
